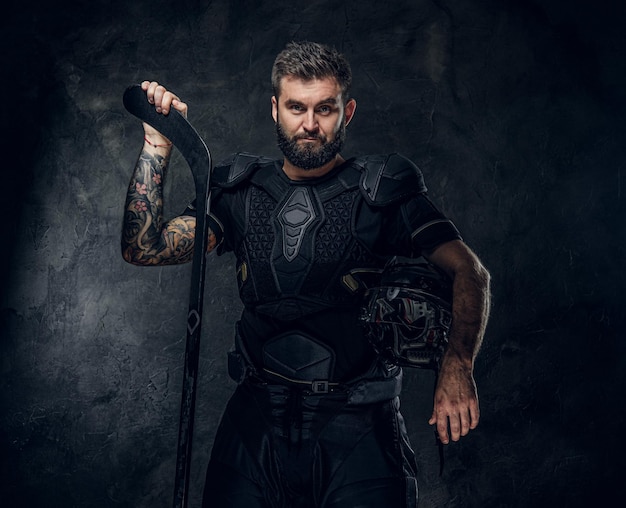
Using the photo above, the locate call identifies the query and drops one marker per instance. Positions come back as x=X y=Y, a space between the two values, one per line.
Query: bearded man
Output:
x=315 y=419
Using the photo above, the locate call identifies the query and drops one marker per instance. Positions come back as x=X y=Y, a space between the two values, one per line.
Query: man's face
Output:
x=310 y=120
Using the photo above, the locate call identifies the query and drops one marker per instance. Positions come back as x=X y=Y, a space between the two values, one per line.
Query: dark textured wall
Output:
x=513 y=110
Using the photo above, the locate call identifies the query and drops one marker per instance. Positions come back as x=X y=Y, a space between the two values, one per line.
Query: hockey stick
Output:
x=181 y=133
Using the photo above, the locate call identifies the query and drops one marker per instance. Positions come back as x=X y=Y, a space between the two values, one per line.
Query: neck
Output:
x=296 y=173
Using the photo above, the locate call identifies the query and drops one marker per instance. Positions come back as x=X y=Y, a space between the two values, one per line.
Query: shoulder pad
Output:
x=236 y=169
x=387 y=179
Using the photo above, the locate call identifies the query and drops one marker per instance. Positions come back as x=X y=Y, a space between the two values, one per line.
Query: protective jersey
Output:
x=296 y=242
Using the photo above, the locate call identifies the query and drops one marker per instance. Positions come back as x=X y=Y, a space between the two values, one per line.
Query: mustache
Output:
x=310 y=135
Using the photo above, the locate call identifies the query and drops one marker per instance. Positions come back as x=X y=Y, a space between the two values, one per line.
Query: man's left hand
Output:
x=456 y=409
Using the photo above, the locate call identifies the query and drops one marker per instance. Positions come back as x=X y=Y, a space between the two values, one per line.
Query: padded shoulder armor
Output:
x=236 y=169
x=387 y=179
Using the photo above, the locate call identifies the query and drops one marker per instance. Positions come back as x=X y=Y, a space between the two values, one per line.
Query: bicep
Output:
x=179 y=235
x=172 y=246
x=455 y=257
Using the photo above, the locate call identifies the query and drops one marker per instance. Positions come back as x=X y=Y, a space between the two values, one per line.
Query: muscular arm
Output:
x=146 y=239
x=456 y=398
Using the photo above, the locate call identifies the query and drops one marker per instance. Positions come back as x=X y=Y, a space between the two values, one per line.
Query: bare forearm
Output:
x=143 y=211
x=470 y=311
x=470 y=299
x=146 y=240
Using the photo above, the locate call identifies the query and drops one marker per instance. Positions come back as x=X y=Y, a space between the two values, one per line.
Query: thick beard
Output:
x=306 y=156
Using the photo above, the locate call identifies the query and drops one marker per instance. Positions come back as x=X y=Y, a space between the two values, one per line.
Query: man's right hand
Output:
x=163 y=101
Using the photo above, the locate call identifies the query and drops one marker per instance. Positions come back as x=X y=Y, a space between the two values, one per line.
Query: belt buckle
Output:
x=320 y=386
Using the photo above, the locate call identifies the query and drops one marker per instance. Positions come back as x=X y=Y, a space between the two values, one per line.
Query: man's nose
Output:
x=310 y=123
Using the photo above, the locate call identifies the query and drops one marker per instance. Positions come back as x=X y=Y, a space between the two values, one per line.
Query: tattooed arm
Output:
x=146 y=239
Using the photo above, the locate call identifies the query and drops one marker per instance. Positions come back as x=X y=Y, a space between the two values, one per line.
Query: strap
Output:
x=317 y=386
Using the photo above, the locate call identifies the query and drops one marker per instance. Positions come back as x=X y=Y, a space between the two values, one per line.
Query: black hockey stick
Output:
x=180 y=132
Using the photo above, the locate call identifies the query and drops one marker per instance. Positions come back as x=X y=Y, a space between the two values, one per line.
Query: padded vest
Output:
x=301 y=238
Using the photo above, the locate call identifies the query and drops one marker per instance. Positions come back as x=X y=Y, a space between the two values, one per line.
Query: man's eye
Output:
x=324 y=110
x=296 y=107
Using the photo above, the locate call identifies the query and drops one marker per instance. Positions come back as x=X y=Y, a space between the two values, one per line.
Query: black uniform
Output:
x=315 y=419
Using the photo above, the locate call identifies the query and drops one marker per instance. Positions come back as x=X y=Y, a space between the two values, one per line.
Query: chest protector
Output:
x=296 y=240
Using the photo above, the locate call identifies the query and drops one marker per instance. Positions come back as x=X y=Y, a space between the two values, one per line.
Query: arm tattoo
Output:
x=146 y=239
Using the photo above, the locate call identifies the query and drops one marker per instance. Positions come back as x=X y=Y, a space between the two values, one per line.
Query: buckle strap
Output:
x=377 y=385
x=315 y=386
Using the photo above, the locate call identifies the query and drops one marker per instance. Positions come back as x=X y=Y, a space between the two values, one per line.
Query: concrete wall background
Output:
x=511 y=108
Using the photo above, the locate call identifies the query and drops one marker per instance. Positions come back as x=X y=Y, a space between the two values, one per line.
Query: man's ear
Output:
x=274 y=108
x=349 y=110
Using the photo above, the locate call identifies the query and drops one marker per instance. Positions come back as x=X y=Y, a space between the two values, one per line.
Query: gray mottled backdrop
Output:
x=514 y=111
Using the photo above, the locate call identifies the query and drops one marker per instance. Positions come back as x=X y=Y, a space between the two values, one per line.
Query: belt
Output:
x=240 y=370
x=297 y=361
x=364 y=391
x=315 y=386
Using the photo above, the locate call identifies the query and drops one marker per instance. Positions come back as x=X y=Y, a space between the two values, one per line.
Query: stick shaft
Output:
x=187 y=140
